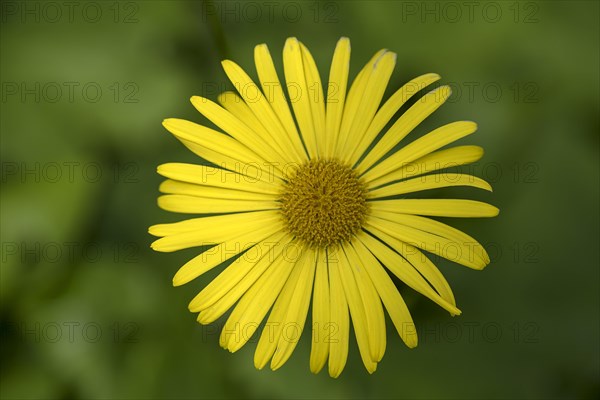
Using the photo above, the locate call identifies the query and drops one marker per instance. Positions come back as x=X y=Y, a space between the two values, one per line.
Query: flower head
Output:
x=308 y=203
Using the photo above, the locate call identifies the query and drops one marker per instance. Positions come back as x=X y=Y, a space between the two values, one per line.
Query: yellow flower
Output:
x=309 y=205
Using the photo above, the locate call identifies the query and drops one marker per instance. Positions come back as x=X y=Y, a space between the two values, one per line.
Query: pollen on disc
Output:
x=324 y=203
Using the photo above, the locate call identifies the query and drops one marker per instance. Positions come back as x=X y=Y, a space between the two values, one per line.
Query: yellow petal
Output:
x=296 y=313
x=205 y=205
x=217 y=229
x=320 y=316
x=273 y=91
x=230 y=288
x=428 y=270
x=221 y=253
x=315 y=97
x=340 y=320
x=421 y=147
x=351 y=107
x=453 y=251
x=248 y=179
x=404 y=270
x=241 y=325
x=255 y=303
x=238 y=107
x=240 y=274
x=452 y=157
x=267 y=344
x=437 y=207
x=279 y=322
x=372 y=304
x=404 y=125
x=336 y=95
x=296 y=73
x=387 y=111
x=259 y=105
x=170 y=186
x=357 y=312
x=424 y=266
x=370 y=98
x=394 y=304
x=427 y=182
x=213 y=146
x=236 y=128
x=437 y=228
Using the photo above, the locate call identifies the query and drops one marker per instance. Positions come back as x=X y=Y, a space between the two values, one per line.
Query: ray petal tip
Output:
x=261 y=47
x=334 y=374
x=412 y=341
x=223 y=342
x=316 y=368
x=275 y=365
x=152 y=231
x=162 y=169
x=259 y=363
x=179 y=279
x=227 y=64
x=291 y=43
x=193 y=307
x=343 y=41
x=201 y=319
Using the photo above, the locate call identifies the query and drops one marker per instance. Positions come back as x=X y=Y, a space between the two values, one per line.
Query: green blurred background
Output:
x=88 y=310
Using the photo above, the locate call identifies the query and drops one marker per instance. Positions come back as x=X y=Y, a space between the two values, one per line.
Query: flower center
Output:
x=324 y=203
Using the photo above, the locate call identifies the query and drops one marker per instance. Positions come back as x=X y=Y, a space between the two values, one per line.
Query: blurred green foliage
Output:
x=88 y=310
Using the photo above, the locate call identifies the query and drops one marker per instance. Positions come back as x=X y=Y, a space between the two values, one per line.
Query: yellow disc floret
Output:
x=324 y=203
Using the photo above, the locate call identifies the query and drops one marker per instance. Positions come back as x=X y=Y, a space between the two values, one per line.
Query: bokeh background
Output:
x=88 y=310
